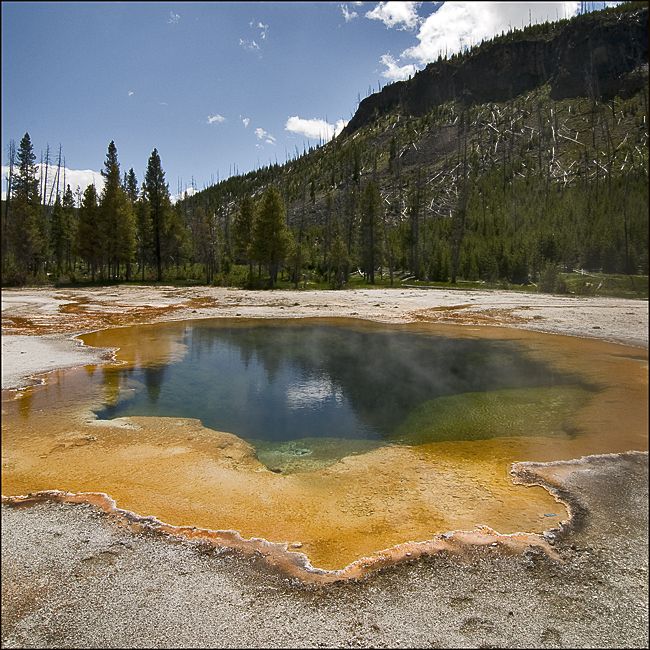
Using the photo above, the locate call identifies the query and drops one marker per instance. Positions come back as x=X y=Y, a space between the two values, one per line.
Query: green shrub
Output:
x=550 y=280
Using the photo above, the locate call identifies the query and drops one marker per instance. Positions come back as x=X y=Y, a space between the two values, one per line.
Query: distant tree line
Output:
x=128 y=232
x=238 y=232
x=110 y=236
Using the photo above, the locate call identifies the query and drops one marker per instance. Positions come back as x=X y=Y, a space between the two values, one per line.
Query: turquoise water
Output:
x=301 y=390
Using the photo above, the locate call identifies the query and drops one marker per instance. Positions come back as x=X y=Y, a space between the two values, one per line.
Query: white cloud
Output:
x=249 y=45
x=457 y=25
x=264 y=135
x=396 y=72
x=245 y=121
x=81 y=178
x=131 y=93
x=173 y=18
x=216 y=118
x=315 y=129
x=263 y=30
x=347 y=14
x=174 y=198
x=403 y=15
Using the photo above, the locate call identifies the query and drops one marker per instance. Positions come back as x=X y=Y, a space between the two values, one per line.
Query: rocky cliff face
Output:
x=596 y=55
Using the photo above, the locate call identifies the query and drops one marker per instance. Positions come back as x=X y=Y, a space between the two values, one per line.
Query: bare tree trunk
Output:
x=40 y=180
x=55 y=185
x=47 y=165
x=58 y=171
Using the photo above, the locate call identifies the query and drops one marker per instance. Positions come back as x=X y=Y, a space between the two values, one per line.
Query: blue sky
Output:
x=216 y=86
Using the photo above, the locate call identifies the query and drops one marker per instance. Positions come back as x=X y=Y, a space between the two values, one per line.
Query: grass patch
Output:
x=579 y=284
x=607 y=284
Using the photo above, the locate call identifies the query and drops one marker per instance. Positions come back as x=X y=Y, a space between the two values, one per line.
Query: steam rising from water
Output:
x=272 y=384
x=444 y=466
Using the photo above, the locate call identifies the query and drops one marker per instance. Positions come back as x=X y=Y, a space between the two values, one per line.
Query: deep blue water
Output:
x=279 y=383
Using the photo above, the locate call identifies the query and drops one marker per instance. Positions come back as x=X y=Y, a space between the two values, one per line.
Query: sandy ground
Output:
x=24 y=356
x=73 y=578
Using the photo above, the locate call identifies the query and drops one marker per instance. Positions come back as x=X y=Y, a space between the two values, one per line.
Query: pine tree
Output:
x=270 y=237
x=356 y=162
x=295 y=255
x=117 y=223
x=70 y=227
x=370 y=240
x=207 y=240
x=144 y=232
x=175 y=249
x=131 y=186
x=108 y=208
x=26 y=229
x=243 y=232
x=125 y=234
x=339 y=263
x=157 y=195
x=107 y=225
x=88 y=241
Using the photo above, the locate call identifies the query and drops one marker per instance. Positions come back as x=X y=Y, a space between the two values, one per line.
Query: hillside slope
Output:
x=592 y=55
x=522 y=157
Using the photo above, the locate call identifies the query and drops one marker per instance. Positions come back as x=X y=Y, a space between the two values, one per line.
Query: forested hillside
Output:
x=514 y=162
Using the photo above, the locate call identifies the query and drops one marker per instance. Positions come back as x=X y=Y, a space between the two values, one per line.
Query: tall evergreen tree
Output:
x=243 y=232
x=131 y=186
x=26 y=229
x=108 y=208
x=157 y=195
x=144 y=232
x=175 y=249
x=88 y=240
x=339 y=263
x=125 y=235
x=270 y=237
x=207 y=236
x=370 y=239
x=117 y=220
x=70 y=227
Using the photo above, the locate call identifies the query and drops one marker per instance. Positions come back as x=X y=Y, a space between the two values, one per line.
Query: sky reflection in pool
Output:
x=274 y=384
